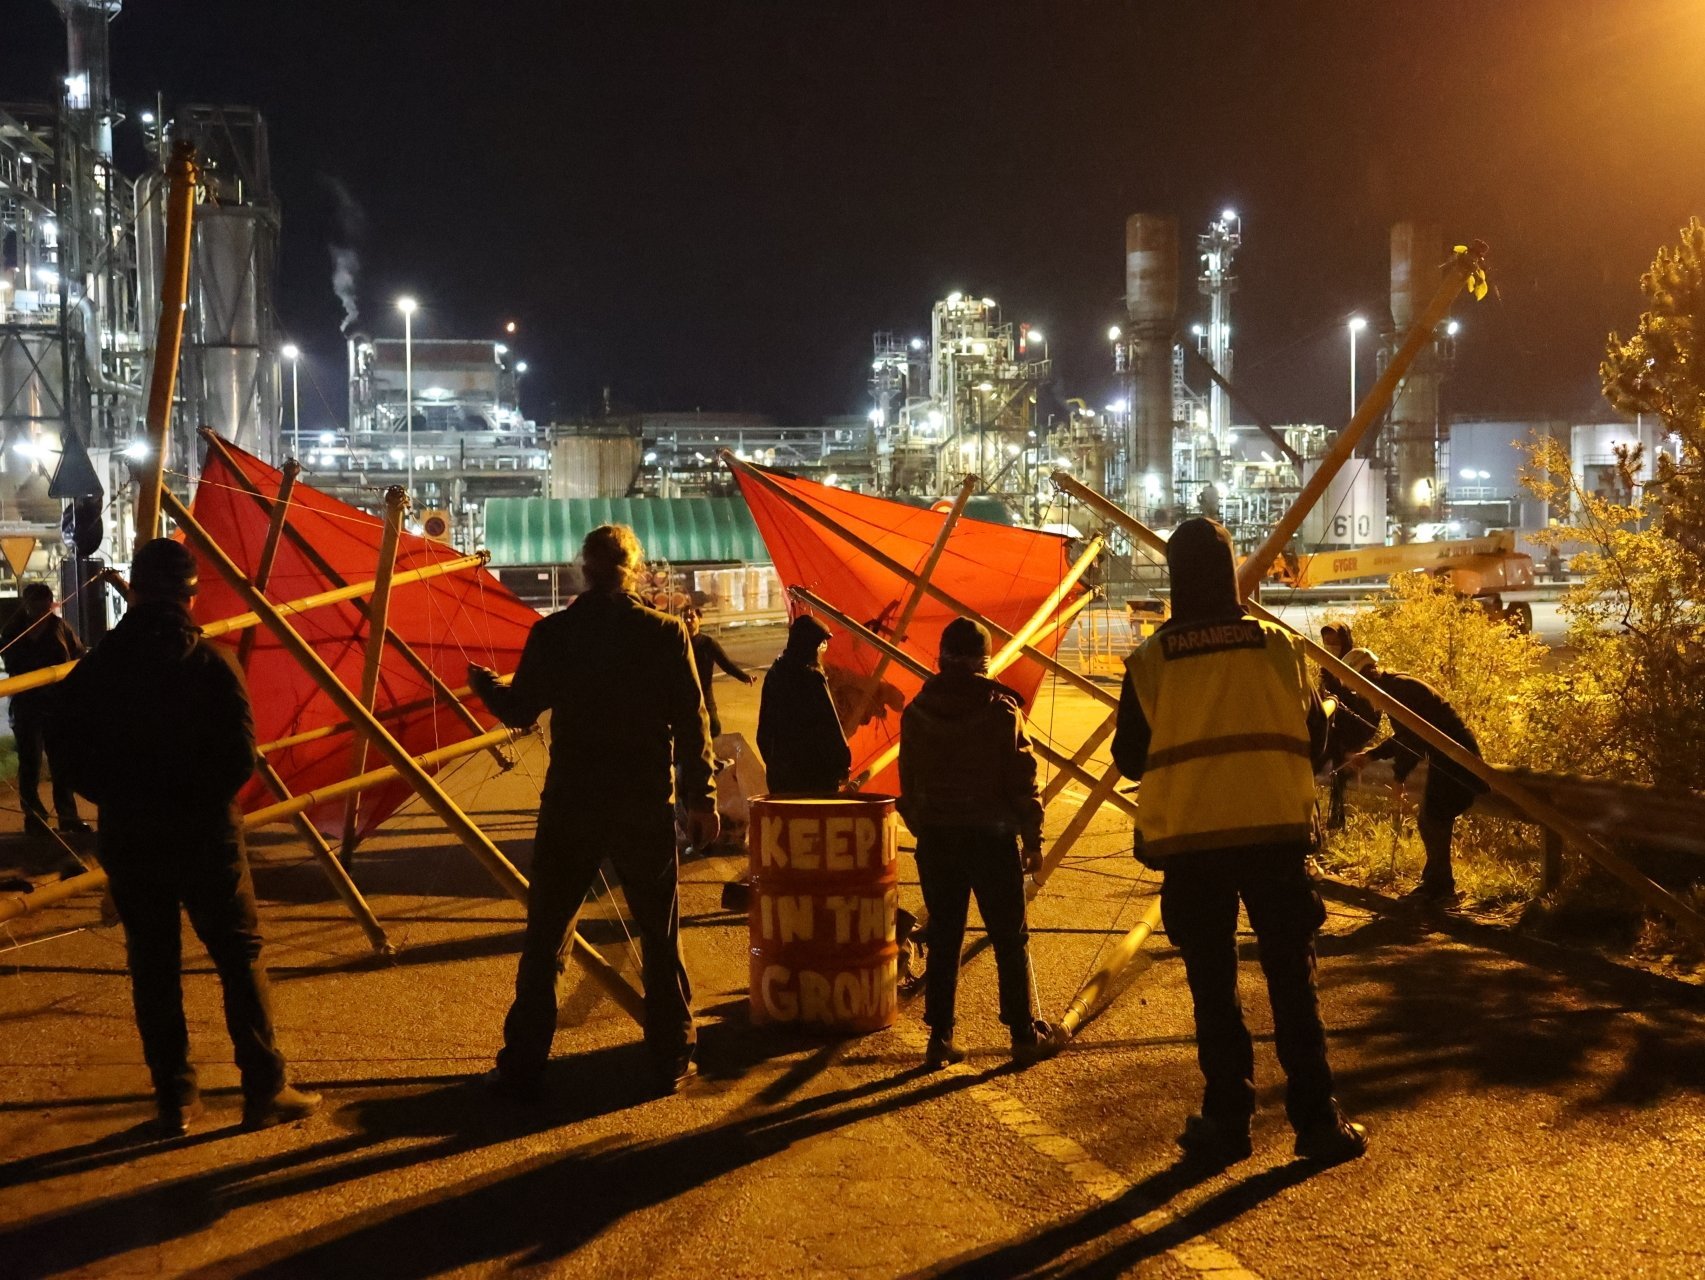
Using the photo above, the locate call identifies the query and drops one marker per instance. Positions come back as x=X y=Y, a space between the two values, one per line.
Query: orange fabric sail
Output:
x=1004 y=573
x=449 y=621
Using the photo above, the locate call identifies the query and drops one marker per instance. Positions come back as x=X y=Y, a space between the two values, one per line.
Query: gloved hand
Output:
x=481 y=679
x=703 y=826
x=1030 y=857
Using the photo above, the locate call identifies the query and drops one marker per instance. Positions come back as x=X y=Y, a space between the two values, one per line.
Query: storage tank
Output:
x=1417 y=265
x=594 y=466
x=237 y=375
x=1151 y=309
x=1351 y=513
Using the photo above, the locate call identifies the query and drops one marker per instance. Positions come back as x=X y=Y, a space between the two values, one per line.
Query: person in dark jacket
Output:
x=1355 y=724
x=968 y=792
x=627 y=721
x=708 y=655
x=1218 y=718
x=163 y=742
x=35 y=638
x=1450 y=789
x=799 y=731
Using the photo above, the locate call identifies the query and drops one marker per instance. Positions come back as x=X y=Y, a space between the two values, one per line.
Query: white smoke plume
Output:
x=346 y=260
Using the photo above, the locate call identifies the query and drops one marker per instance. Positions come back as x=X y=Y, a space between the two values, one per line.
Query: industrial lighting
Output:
x=290 y=351
x=1115 y=333
x=147 y=117
x=1452 y=329
x=510 y=327
x=327 y=437
x=47 y=276
x=1118 y=406
x=1012 y=449
x=1036 y=335
x=1064 y=464
x=650 y=457
x=136 y=449
x=396 y=455
x=831 y=479
x=953 y=299
x=1197 y=331
x=436 y=393
x=1467 y=473
x=1229 y=215
x=408 y=306
x=985 y=387
x=917 y=344
x=502 y=350
x=520 y=366
x=27 y=449
x=1357 y=324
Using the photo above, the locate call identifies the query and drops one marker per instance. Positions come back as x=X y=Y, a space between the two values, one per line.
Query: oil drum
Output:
x=825 y=884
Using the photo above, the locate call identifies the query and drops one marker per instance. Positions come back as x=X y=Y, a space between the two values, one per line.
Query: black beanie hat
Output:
x=164 y=568
x=805 y=635
x=964 y=640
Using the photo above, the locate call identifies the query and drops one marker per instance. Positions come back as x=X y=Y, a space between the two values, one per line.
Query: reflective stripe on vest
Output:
x=1229 y=763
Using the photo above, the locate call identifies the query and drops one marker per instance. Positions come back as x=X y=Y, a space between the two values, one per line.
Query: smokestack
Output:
x=88 y=74
x=1417 y=266
x=1151 y=309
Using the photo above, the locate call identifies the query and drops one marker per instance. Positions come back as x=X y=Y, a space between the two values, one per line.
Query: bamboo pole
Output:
x=906 y=575
x=861 y=632
x=324 y=568
x=378 y=611
x=915 y=596
x=14 y=685
x=19 y=904
x=1533 y=806
x=269 y=550
x=1462 y=269
x=424 y=785
x=168 y=336
x=344 y=726
x=1080 y=757
x=1093 y=992
x=334 y=869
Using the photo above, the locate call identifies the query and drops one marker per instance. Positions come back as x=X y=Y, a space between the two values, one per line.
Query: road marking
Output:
x=1199 y=1254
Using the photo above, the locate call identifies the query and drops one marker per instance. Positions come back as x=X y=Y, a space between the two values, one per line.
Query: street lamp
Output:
x=407 y=306
x=1356 y=325
x=293 y=353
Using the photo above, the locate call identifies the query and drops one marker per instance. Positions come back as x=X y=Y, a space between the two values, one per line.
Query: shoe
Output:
x=36 y=824
x=1435 y=893
x=289 y=1104
x=672 y=1073
x=942 y=1053
x=1215 y=1142
x=1044 y=1041
x=17 y=884
x=75 y=827
x=512 y=1088
x=173 y=1119
x=736 y=896
x=1332 y=1141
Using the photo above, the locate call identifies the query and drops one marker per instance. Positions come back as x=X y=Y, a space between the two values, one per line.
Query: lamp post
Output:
x=293 y=353
x=1355 y=326
x=407 y=307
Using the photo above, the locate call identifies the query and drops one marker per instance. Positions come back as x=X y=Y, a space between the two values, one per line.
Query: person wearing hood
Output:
x=1354 y=725
x=1450 y=789
x=799 y=731
x=629 y=738
x=35 y=638
x=163 y=742
x=1219 y=720
x=968 y=792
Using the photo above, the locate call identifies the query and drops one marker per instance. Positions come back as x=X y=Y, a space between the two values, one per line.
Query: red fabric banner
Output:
x=449 y=621
x=1003 y=573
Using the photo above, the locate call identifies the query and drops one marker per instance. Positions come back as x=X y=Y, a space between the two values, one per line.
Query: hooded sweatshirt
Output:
x=799 y=730
x=1202 y=568
x=964 y=759
x=163 y=738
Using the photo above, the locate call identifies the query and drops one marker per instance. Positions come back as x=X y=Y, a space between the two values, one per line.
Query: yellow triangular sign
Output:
x=18 y=549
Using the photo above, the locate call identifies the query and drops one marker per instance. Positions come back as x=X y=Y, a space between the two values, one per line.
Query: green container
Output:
x=679 y=530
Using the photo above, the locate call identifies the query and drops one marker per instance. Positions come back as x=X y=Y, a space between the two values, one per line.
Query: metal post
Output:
x=408 y=390
x=378 y=611
x=424 y=785
x=323 y=567
x=169 y=336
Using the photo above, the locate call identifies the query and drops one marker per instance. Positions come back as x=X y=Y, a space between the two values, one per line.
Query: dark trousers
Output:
x=1199 y=896
x=33 y=730
x=567 y=851
x=954 y=863
x=1442 y=802
x=211 y=883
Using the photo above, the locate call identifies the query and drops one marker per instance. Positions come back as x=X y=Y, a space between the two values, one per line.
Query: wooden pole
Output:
x=1533 y=806
x=334 y=869
x=424 y=785
x=168 y=336
x=324 y=568
x=1462 y=269
x=269 y=550
x=1080 y=757
x=900 y=571
x=1093 y=992
x=225 y=626
x=378 y=611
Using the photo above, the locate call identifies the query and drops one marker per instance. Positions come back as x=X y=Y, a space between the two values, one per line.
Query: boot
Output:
x=1215 y=1142
x=942 y=1053
x=1332 y=1140
x=289 y=1104
x=1037 y=1041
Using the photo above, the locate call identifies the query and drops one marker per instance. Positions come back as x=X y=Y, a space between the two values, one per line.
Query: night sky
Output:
x=712 y=205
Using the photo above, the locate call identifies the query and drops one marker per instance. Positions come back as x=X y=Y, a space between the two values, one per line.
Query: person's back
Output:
x=164 y=737
x=799 y=732
x=618 y=679
x=967 y=762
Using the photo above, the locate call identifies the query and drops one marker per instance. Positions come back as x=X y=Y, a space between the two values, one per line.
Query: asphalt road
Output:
x=1529 y=1115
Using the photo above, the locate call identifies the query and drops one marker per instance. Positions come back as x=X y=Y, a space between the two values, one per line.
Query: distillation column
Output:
x=1151 y=308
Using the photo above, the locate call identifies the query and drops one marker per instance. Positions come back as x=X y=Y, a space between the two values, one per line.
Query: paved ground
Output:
x=1527 y=1118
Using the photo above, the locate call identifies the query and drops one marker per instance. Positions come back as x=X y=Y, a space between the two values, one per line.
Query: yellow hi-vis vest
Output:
x=1228 y=761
